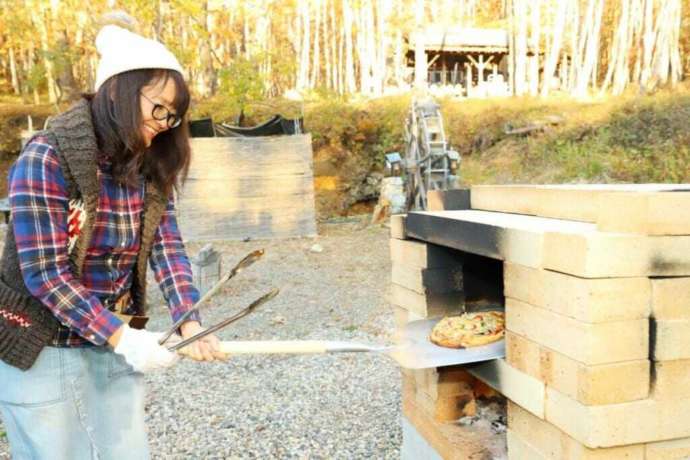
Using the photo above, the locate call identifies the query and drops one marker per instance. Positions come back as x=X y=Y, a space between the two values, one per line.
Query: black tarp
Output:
x=276 y=126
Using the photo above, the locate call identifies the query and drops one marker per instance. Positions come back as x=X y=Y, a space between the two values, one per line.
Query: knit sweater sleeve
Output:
x=171 y=266
x=39 y=204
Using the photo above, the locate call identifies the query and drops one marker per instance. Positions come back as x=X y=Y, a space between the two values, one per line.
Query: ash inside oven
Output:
x=491 y=414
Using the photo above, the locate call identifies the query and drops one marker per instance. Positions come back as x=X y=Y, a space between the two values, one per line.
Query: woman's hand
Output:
x=205 y=349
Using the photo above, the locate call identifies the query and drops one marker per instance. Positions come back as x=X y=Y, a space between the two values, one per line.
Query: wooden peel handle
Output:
x=274 y=347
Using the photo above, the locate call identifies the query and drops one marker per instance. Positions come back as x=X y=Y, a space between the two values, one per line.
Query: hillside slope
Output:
x=631 y=138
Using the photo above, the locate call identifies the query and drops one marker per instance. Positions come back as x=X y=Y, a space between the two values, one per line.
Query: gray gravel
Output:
x=327 y=406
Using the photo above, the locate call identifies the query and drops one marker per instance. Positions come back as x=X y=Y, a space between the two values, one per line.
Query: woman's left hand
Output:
x=205 y=349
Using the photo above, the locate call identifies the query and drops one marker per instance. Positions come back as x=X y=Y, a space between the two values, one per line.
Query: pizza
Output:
x=469 y=329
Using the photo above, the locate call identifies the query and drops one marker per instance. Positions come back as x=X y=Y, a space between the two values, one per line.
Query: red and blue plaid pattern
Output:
x=43 y=222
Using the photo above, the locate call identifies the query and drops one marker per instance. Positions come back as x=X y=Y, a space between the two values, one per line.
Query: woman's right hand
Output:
x=141 y=350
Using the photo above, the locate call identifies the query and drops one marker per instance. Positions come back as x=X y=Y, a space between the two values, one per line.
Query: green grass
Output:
x=626 y=139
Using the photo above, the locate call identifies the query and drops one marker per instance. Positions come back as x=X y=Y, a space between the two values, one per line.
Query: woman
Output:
x=92 y=206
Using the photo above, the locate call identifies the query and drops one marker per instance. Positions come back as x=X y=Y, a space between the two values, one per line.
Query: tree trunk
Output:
x=303 y=81
x=69 y=89
x=667 y=29
x=13 y=72
x=622 y=76
x=590 y=45
x=374 y=46
x=40 y=21
x=554 y=49
x=32 y=60
x=535 y=45
x=350 y=85
x=328 y=67
x=363 y=54
x=245 y=32
x=618 y=69
x=511 y=44
x=648 y=39
x=399 y=60
x=335 y=62
x=341 y=61
x=636 y=29
x=520 y=28
x=674 y=43
x=316 y=57
x=383 y=12
x=370 y=44
x=295 y=37
x=420 y=63
x=207 y=75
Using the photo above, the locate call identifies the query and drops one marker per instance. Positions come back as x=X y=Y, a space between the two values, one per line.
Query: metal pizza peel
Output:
x=413 y=350
x=416 y=351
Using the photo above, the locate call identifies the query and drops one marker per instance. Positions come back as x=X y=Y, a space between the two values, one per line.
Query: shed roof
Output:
x=465 y=39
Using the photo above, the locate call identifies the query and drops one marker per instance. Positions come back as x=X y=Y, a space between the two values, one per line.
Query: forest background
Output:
x=343 y=66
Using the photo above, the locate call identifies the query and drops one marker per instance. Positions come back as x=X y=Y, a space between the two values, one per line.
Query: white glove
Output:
x=141 y=350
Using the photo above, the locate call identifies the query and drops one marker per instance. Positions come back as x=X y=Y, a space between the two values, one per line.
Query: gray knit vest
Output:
x=26 y=325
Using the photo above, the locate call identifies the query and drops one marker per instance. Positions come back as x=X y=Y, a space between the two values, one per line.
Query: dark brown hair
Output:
x=117 y=119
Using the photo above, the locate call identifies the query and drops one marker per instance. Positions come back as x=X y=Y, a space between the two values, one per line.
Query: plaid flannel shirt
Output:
x=39 y=203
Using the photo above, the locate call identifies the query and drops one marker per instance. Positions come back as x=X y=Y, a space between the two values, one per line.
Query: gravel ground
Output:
x=321 y=406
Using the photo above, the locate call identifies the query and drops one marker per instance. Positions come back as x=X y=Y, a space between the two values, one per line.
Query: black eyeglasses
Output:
x=161 y=112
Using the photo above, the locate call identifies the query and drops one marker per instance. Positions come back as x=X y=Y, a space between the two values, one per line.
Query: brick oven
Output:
x=595 y=284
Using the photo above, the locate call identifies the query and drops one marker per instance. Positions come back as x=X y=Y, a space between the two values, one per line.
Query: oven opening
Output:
x=482 y=282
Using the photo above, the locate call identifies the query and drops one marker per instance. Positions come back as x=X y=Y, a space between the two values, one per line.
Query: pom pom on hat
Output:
x=121 y=19
x=122 y=50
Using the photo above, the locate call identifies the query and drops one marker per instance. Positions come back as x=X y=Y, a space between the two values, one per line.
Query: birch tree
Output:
x=618 y=72
x=305 y=47
x=349 y=70
x=420 y=62
x=554 y=47
x=519 y=33
x=535 y=45
x=316 y=55
x=666 y=59
x=588 y=48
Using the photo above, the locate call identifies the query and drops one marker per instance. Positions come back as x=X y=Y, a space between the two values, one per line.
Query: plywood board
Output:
x=256 y=188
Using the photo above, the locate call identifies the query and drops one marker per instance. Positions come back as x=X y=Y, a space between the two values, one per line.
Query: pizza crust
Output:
x=469 y=330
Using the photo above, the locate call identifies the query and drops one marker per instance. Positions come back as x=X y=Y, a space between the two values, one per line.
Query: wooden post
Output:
x=481 y=66
x=468 y=70
x=480 y=70
x=444 y=69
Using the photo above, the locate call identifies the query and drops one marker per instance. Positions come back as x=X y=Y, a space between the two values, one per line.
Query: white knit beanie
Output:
x=122 y=50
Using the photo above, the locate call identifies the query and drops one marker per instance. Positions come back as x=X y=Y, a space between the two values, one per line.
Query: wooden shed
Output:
x=248 y=187
x=468 y=57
